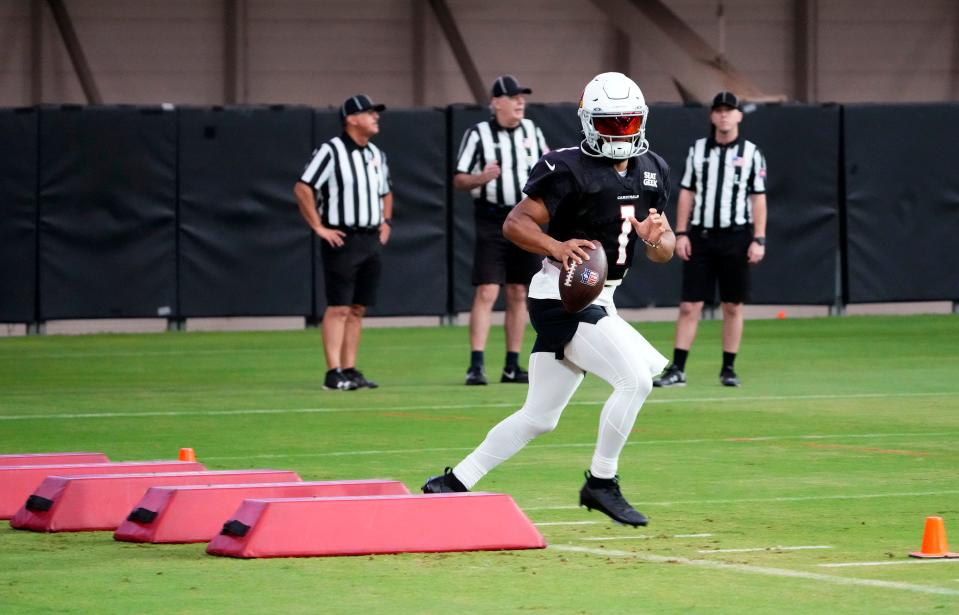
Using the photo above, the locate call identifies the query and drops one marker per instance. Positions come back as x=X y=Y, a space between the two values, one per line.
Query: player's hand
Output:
x=571 y=251
x=651 y=229
x=331 y=236
x=755 y=253
x=491 y=171
x=384 y=233
x=684 y=248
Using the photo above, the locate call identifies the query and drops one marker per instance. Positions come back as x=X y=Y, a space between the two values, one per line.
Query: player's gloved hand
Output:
x=570 y=251
x=651 y=229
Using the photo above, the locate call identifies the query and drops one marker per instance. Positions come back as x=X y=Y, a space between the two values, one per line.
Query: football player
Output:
x=611 y=190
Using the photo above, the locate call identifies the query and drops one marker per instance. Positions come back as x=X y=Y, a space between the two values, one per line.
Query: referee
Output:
x=493 y=164
x=721 y=231
x=345 y=196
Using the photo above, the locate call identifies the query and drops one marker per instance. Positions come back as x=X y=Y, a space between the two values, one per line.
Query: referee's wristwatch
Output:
x=759 y=240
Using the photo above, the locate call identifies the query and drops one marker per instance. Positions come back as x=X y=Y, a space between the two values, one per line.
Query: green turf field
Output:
x=844 y=437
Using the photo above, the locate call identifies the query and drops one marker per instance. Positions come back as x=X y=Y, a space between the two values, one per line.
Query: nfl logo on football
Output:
x=589 y=277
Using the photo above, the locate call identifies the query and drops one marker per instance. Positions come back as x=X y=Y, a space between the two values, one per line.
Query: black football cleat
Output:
x=475 y=376
x=359 y=379
x=444 y=483
x=336 y=380
x=728 y=377
x=604 y=495
x=515 y=374
x=672 y=376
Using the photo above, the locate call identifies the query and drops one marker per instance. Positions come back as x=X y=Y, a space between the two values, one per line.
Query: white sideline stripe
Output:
x=753 y=549
x=566 y=523
x=642 y=537
x=897 y=562
x=801 y=498
x=186 y=353
x=750 y=569
x=589 y=445
x=109 y=415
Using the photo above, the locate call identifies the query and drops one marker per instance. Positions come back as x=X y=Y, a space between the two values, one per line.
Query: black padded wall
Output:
x=801 y=146
x=902 y=202
x=414 y=280
x=18 y=213
x=800 y=142
x=107 y=212
x=244 y=249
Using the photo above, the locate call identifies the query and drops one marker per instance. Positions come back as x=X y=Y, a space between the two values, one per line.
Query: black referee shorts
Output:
x=352 y=271
x=497 y=260
x=717 y=257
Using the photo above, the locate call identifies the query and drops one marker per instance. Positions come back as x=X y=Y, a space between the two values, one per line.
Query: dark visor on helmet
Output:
x=618 y=125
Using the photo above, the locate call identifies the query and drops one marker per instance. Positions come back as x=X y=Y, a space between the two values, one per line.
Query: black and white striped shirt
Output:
x=515 y=149
x=722 y=176
x=350 y=182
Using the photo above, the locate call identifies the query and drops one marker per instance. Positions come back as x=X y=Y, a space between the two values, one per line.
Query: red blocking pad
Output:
x=196 y=513
x=303 y=527
x=18 y=482
x=28 y=459
x=102 y=502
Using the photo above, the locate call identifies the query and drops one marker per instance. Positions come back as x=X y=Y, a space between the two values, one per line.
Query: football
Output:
x=580 y=285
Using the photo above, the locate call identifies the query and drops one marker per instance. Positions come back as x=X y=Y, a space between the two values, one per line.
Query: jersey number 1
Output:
x=626 y=212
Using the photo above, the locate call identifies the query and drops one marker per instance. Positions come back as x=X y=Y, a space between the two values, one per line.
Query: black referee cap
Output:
x=507 y=85
x=359 y=104
x=726 y=99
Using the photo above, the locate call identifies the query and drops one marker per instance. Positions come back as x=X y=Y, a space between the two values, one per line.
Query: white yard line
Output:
x=761 y=570
x=641 y=537
x=802 y=498
x=754 y=549
x=255 y=411
x=587 y=445
x=19 y=356
x=893 y=562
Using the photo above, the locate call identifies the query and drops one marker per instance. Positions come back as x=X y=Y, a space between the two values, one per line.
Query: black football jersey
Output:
x=588 y=199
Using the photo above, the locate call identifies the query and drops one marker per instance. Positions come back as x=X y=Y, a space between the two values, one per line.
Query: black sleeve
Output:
x=551 y=181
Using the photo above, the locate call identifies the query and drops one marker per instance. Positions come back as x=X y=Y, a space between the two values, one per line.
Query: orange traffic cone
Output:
x=187 y=454
x=934 y=540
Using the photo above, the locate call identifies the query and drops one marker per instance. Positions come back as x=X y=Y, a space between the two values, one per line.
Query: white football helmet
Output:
x=613 y=112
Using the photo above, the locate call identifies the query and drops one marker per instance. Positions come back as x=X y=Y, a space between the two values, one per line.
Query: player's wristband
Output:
x=388 y=221
x=680 y=233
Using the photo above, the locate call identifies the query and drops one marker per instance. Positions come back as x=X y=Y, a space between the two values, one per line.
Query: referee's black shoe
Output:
x=515 y=374
x=359 y=379
x=444 y=483
x=671 y=377
x=728 y=377
x=336 y=380
x=604 y=495
x=475 y=375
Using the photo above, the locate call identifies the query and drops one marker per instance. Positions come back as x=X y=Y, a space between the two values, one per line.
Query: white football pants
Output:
x=610 y=349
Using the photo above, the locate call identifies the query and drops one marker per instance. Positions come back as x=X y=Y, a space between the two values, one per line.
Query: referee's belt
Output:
x=357 y=230
x=491 y=209
x=706 y=233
